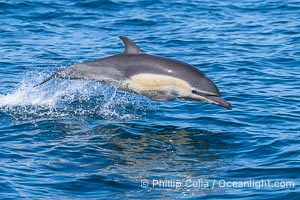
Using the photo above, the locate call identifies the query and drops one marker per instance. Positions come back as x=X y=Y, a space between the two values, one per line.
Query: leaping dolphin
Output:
x=158 y=78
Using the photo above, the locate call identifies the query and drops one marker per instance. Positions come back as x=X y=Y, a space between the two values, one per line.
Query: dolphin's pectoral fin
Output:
x=130 y=46
x=159 y=96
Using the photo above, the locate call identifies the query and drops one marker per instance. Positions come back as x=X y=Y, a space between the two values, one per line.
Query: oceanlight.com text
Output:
x=216 y=183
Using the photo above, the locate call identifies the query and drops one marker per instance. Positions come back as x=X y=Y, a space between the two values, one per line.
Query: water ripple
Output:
x=85 y=140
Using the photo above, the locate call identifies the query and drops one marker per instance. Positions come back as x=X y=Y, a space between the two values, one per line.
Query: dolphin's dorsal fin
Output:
x=130 y=47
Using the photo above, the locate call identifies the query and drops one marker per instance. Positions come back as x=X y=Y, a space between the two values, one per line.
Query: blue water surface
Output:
x=85 y=140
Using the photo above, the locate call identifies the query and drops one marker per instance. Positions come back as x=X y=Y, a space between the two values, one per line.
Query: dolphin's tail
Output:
x=55 y=75
x=58 y=74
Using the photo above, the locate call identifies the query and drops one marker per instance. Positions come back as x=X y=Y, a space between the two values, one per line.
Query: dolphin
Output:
x=158 y=78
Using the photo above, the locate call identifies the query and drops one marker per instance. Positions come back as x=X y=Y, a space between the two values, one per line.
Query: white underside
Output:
x=154 y=82
x=141 y=83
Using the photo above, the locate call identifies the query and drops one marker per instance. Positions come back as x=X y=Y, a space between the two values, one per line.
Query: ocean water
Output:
x=85 y=140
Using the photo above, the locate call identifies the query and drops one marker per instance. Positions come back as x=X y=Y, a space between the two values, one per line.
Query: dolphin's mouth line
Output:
x=202 y=93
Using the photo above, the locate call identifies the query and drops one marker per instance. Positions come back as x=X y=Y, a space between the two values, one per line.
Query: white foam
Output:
x=27 y=95
x=64 y=98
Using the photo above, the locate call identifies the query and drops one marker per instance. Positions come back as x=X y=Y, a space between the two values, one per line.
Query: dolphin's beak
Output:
x=210 y=97
x=219 y=101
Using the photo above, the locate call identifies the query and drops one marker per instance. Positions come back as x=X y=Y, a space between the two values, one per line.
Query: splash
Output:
x=65 y=98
